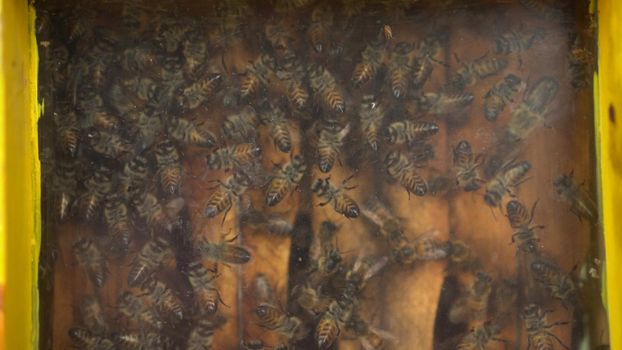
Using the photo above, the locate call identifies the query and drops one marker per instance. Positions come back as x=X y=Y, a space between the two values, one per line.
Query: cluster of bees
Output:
x=115 y=135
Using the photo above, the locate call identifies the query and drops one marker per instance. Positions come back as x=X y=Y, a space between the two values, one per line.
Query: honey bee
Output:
x=467 y=164
x=310 y=299
x=164 y=299
x=320 y=26
x=202 y=334
x=84 y=339
x=274 y=319
x=560 y=285
x=507 y=179
x=376 y=212
x=169 y=34
x=64 y=185
x=117 y=220
x=499 y=95
x=225 y=252
x=90 y=257
x=293 y=74
x=479 y=337
x=400 y=67
x=108 y=144
x=581 y=65
x=472 y=305
x=274 y=224
x=141 y=340
x=400 y=168
x=422 y=67
x=426 y=248
x=329 y=145
x=242 y=126
x=138 y=311
x=371 y=116
x=325 y=88
x=169 y=167
x=371 y=338
x=278 y=128
x=258 y=74
x=410 y=132
x=226 y=194
x=372 y=59
x=538 y=328
x=151 y=256
x=342 y=203
x=443 y=103
x=67 y=132
x=183 y=130
x=285 y=179
x=336 y=316
x=520 y=220
x=144 y=127
x=197 y=92
x=581 y=204
x=281 y=38
x=194 y=51
x=517 y=41
x=387 y=31
x=156 y=215
x=98 y=186
x=234 y=157
x=133 y=177
x=478 y=69
x=93 y=316
x=205 y=293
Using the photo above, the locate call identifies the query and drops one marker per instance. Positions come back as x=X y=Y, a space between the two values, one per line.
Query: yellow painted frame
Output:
x=20 y=217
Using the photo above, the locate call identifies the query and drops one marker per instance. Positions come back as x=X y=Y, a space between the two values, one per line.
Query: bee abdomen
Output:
x=334 y=100
x=282 y=138
x=316 y=35
x=326 y=332
x=276 y=191
x=69 y=139
x=218 y=202
x=347 y=206
x=170 y=179
x=399 y=82
x=414 y=183
x=298 y=95
x=362 y=73
x=249 y=85
x=421 y=72
x=489 y=67
x=327 y=156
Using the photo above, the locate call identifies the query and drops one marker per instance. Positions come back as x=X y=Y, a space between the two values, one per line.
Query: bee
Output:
x=560 y=285
x=428 y=248
x=285 y=179
x=319 y=28
x=144 y=127
x=581 y=65
x=342 y=203
x=400 y=68
x=234 y=157
x=516 y=41
x=194 y=52
x=156 y=215
x=90 y=257
x=108 y=144
x=225 y=252
x=499 y=95
x=242 y=126
x=410 y=132
x=64 y=185
x=376 y=212
x=117 y=220
x=476 y=70
x=325 y=88
x=467 y=164
x=371 y=338
x=400 y=168
x=281 y=37
x=278 y=128
x=151 y=256
x=371 y=116
x=274 y=224
x=479 y=337
x=138 y=310
x=508 y=178
x=520 y=219
x=580 y=202
x=67 y=132
x=169 y=167
x=205 y=293
x=98 y=186
x=84 y=339
x=274 y=319
x=258 y=74
x=329 y=143
x=93 y=316
x=197 y=92
x=443 y=103
x=202 y=334
x=372 y=59
x=226 y=194
x=164 y=299
x=141 y=340
x=133 y=177
x=336 y=317
x=387 y=32
x=183 y=130
x=538 y=328
x=473 y=305
x=422 y=67
x=294 y=74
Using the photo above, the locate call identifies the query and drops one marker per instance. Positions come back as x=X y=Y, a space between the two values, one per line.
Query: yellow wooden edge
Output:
x=20 y=183
x=609 y=134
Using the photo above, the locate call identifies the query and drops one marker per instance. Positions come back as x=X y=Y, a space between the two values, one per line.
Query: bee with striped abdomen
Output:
x=506 y=180
x=472 y=305
x=155 y=253
x=108 y=144
x=118 y=221
x=194 y=52
x=500 y=95
x=372 y=59
x=476 y=70
x=242 y=126
x=341 y=202
x=202 y=334
x=164 y=299
x=400 y=168
x=517 y=41
x=333 y=320
x=154 y=213
x=371 y=115
x=560 y=285
x=93 y=315
x=325 y=88
x=294 y=76
x=278 y=128
x=520 y=219
x=320 y=27
x=90 y=257
x=133 y=177
x=67 y=131
x=443 y=103
x=226 y=194
x=64 y=187
x=581 y=204
x=286 y=178
x=410 y=132
x=258 y=74
x=141 y=340
x=329 y=143
x=422 y=67
x=169 y=167
x=234 y=157
x=225 y=252
x=467 y=164
x=272 y=317
x=183 y=130
x=581 y=64
x=98 y=186
x=400 y=68
x=206 y=296
x=197 y=93
x=84 y=339
x=539 y=336
x=138 y=311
